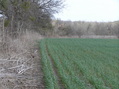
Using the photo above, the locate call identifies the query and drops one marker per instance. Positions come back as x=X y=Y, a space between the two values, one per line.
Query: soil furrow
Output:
x=54 y=69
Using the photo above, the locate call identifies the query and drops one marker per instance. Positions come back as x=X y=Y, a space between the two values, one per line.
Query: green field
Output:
x=80 y=63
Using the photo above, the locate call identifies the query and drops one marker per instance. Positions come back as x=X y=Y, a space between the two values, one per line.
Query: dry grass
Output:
x=100 y=37
x=23 y=43
x=19 y=62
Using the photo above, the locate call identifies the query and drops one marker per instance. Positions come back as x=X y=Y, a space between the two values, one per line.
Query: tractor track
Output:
x=54 y=69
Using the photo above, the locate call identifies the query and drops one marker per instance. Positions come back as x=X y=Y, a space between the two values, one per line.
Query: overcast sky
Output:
x=90 y=10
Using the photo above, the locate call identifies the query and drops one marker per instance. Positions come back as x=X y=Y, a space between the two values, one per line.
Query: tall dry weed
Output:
x=19 y=61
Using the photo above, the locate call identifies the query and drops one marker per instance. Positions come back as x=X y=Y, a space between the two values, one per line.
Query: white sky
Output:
x=90 y=10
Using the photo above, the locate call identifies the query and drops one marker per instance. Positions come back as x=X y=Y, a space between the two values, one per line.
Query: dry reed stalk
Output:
x=19 y=61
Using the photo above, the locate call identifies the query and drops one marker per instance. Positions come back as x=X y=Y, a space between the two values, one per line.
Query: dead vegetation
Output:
x=82 y=28
x=19 y=62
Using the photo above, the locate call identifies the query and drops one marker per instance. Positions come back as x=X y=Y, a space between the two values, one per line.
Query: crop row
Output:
x=82 y=63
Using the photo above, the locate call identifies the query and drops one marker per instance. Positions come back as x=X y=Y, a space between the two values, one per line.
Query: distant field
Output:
x=80 y=63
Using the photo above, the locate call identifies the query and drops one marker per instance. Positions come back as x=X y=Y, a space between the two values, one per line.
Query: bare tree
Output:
x=80 y=28
x=29 y=13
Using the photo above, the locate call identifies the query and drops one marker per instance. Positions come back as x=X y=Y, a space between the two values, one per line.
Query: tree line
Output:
x=28 y=14
x=79 y=28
